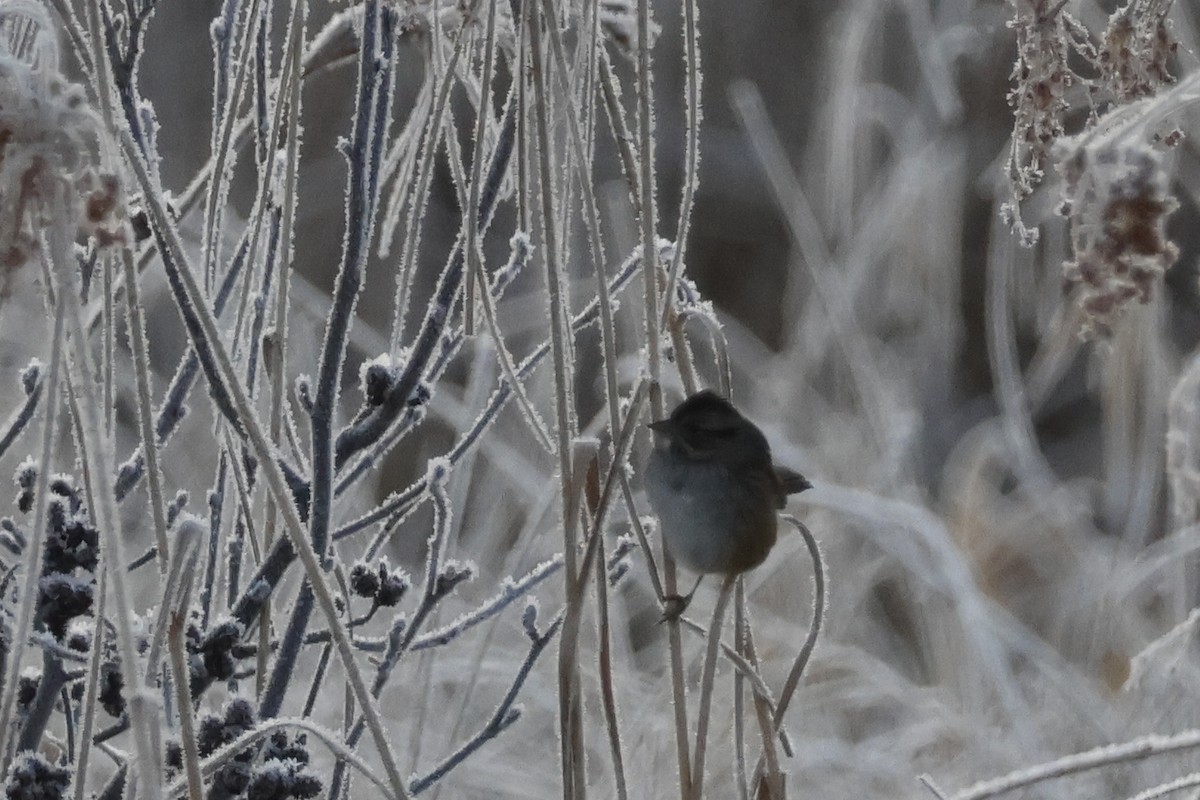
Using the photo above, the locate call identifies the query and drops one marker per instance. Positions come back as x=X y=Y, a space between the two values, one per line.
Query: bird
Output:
x=714 y=487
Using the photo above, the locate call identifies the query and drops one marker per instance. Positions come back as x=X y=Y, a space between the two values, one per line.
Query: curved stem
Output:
x=814 y=630
x=810 y=641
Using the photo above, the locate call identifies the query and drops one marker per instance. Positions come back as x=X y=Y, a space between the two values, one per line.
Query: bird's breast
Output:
x=711 y=523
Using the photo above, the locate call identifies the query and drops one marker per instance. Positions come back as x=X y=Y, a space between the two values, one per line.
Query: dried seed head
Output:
x=1117 y=202
x=52 y=145
x=1137 y=48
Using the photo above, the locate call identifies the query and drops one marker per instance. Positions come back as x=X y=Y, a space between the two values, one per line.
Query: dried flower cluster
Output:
x=281 y=773
x=1117 y=202
x=1116 y=192
x=1046 y=37
x=1137 y=48
x=33 y=777
x=68 y=579
x=50 y=144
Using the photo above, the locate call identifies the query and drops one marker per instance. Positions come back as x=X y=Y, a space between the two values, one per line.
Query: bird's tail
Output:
x=790 y=481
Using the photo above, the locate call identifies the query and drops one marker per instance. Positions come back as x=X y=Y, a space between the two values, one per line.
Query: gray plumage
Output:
x=711 y=481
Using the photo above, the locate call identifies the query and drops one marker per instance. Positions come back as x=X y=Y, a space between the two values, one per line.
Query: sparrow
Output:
x=713 y=485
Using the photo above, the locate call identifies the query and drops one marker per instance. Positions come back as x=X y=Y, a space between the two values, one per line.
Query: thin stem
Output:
x=400 y=504
x=226 y=114
x=472 y=246
x=420 y=191
x=98 y=456
x=91 y=691
x=814 y=630
x=183 y=564
x=241 y=482
x=233 y=547
x=483 y=114
x=266 y=454
x=109 y=345
x=172 y=410
x=503 y=716
x=32 y=378
x=933 y=788
x=691 y=177
x=145 y=406
x=607 y=689
x=810 y=641
x=33 y=547
x=1108 y=755
x=620 y=130
x=290 y=82
x=706 y=686
x=187 y=724
x=739 y=694
x=50 y=685
x=771 y=783
x=592 y=218
x=570 y=727
x=368 y=430
x=1154 y=792
x=647 y=206
x=569 y=649
x=370 y=128
x=646 y=215
x=404 y=631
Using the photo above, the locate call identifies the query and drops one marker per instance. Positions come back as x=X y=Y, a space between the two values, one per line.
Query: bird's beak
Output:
x=664 y=432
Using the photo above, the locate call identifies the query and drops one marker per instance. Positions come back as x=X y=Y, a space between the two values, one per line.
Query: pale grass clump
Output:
x=1003 y=567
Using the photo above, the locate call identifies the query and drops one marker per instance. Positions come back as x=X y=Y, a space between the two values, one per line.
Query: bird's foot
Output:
x=675 y=604
x=673 y=607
